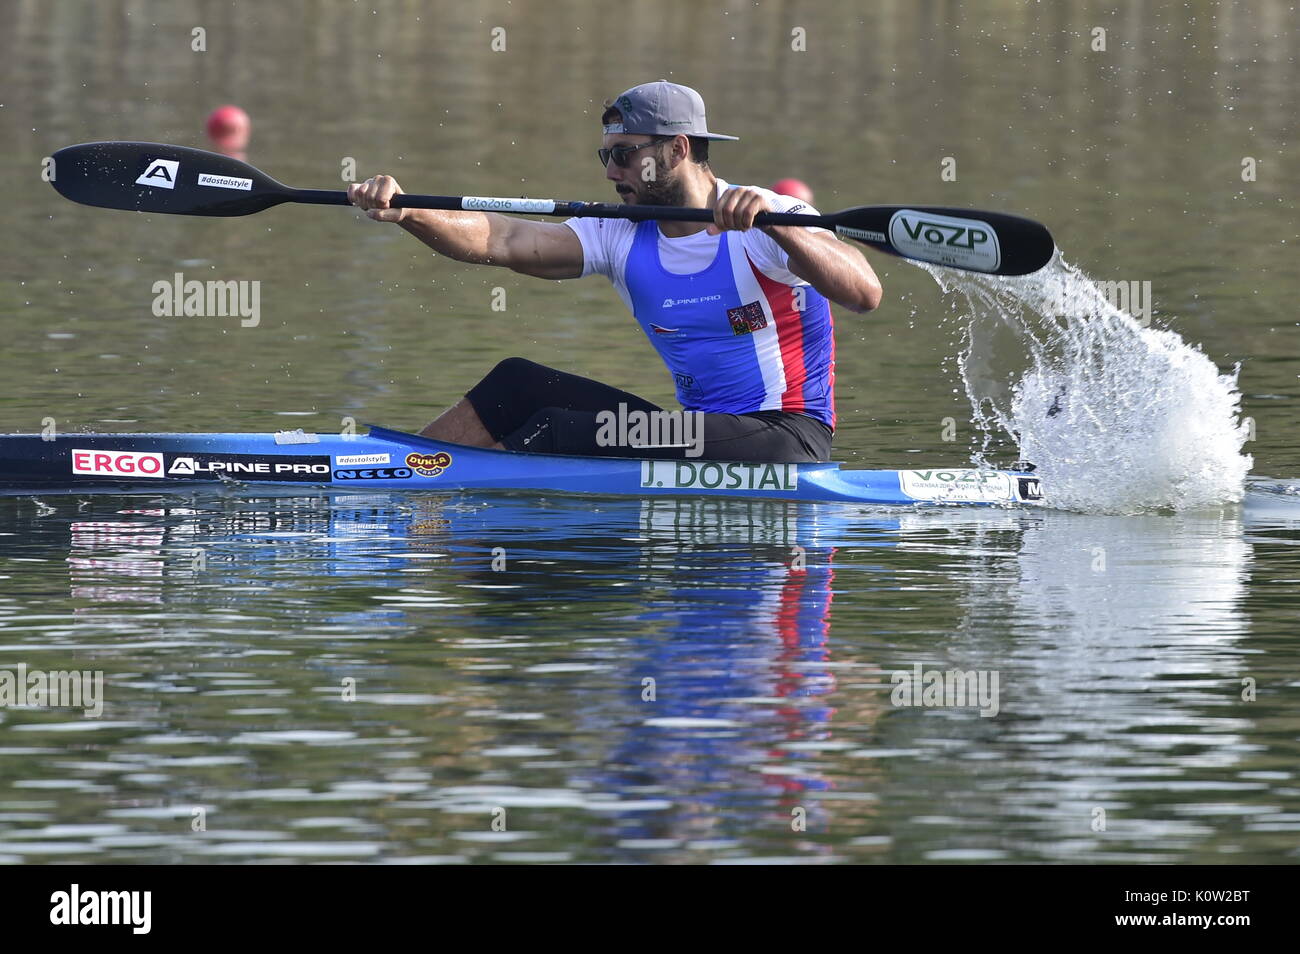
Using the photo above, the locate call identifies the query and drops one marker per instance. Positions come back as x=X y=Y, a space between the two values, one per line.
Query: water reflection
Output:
x=1121 y=646
x=711 y=656
x=632 y=680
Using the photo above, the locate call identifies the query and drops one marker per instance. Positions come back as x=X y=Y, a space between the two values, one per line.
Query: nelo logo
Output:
x=117 y=463
x=374 y=473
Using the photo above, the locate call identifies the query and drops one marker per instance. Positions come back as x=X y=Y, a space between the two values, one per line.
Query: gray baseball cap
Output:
x=662 y=109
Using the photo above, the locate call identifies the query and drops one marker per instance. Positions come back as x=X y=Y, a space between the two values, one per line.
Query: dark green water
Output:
x=517 y=694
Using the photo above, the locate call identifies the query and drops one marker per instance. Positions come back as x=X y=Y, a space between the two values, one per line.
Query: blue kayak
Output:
x=392 y=460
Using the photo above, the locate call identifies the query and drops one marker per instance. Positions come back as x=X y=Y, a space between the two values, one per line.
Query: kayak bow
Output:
x=392 y=460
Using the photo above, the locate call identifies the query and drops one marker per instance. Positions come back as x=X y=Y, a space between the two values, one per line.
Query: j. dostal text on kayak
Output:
x=739 y=313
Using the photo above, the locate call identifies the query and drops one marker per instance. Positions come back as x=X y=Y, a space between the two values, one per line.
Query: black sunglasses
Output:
x=621 y=154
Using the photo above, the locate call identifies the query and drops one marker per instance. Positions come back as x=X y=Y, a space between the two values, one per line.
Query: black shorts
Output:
x=530 y=407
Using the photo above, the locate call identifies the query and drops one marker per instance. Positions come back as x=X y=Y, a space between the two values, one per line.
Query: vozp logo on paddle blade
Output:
x=945 y=240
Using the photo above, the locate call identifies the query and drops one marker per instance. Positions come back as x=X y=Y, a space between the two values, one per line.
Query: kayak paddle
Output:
x=152 y=177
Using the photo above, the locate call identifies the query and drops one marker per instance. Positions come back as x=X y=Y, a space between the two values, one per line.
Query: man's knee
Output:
x=516 y=371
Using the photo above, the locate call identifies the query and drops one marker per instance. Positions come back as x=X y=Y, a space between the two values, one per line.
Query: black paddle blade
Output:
x=152 y=177
x=988 y=242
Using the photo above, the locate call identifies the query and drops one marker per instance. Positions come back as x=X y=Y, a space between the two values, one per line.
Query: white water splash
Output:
x=1119 y=418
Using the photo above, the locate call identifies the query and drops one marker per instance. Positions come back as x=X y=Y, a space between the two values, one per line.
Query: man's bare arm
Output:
x=839 y=272
x=540 y=249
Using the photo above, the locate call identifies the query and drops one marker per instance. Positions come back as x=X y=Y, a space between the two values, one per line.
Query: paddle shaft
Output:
x=559 y=209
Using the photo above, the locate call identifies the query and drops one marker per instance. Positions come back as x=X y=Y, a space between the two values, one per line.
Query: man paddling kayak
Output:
x=740 y=315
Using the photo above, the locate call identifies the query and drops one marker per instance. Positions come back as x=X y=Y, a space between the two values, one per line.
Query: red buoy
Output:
x=229 y=129
x=795 y=188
